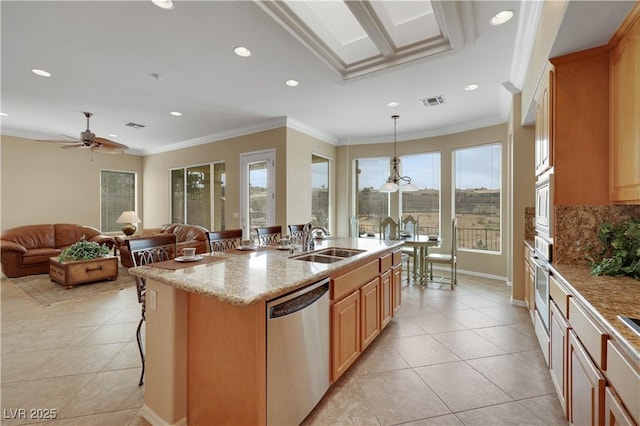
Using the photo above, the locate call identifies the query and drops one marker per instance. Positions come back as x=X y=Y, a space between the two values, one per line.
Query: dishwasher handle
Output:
x=290 y=306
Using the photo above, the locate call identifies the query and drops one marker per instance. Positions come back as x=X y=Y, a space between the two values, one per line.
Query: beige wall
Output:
x=300 y=147
x=42 y=183
x=490 y=264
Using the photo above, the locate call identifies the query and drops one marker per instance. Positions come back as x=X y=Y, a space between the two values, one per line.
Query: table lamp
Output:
x=128 y=218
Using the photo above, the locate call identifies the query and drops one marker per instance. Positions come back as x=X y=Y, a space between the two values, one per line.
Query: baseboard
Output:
x=518 y=302
x=149 y=415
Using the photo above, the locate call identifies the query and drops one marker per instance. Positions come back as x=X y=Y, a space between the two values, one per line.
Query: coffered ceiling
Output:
x=132 y=62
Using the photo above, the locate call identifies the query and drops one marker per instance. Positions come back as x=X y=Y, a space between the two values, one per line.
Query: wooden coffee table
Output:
x=75 y=272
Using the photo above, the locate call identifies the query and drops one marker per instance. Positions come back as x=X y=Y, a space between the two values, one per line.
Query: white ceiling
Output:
x=102 y=56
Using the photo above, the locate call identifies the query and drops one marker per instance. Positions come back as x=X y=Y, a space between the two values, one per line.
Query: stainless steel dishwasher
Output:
x=297 y=353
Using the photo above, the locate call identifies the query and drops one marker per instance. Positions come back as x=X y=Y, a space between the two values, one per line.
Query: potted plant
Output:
x=620 y=255
x=84 y=250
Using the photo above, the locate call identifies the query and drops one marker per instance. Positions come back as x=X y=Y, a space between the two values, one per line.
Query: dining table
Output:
x=420 y=245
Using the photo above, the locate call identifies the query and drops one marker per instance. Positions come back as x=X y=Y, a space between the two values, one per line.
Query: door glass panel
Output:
x=177 y=196
x=320 y=191
x=257 y=194
x=371 y=204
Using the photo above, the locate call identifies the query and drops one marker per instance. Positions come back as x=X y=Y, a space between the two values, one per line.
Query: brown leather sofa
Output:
x=186 y=236
x=26 y=250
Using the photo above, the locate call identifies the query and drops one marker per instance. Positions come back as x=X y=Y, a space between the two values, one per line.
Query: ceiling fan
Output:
x=88 y=140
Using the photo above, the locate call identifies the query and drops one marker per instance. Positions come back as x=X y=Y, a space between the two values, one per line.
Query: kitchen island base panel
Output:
x=165 y=390
x=226 y=362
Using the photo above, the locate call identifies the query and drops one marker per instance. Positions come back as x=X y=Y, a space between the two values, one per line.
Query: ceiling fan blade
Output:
x=104 y=150
x=108 y=146
x=78 y=145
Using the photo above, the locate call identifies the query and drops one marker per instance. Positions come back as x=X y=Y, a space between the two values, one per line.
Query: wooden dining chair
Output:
x=411 y=227
x=296 y=232
x=224 y=240
x=446 y=258
x=269 y=235
x=146 y=250
x=388 y=229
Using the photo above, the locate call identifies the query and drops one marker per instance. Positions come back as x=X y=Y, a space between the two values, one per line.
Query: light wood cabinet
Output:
x=371 y=316
x=386 y=300
x=345 y=334
x=396 y=293
x=624 y=153
x=614 y=412
x=543 y=127
x=558 y=349
x=586 y=386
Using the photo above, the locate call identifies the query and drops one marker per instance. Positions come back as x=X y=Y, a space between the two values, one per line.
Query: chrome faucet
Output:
x=307 y=239
x=325 y=231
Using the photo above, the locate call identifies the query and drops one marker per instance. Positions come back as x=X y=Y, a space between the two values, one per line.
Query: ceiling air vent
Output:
x=134 y=125
x=434 y=101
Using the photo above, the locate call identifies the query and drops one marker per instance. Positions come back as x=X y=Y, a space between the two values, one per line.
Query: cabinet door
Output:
x=370 y=319
x=586 y=386
x=386 y=302
x=558 y=342
x=542 y=129
x=345 y=334
x=614 y=412
x=624 y=149
x=397 y=288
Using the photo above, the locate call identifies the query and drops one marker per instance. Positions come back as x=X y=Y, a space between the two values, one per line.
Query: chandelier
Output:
x=392 y=181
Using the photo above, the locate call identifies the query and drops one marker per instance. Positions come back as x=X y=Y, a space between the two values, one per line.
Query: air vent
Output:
x=134 y=125
x=434 y=101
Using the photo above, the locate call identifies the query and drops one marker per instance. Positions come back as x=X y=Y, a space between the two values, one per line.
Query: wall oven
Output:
x=540 y=258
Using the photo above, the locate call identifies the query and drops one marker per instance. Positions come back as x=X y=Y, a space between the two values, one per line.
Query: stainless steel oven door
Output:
x=544 y=205
x=542 y=289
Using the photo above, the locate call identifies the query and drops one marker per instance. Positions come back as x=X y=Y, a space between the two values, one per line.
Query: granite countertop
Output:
x=607 y=297
x=241 y=278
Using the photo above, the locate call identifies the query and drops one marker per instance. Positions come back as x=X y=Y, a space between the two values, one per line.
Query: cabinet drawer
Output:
x=593 y=338
x=397 y=258
x=386 y=262
x=346 y=283
x=614 y=412
x=625 y=379
x=560 y=295
x=543 y=337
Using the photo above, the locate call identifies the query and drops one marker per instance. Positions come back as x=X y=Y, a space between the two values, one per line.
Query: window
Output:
x=423 y=205
x=478 y=196
x=117 y=194
x=196 y=196
x=320 y=191
x=371 y=204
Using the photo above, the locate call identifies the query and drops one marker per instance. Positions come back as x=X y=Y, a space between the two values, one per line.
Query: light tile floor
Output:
x=449 y=357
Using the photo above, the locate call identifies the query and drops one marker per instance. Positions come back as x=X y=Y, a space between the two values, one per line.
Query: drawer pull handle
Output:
x=99 y=268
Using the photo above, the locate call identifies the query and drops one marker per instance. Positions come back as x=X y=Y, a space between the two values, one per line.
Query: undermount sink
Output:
x=340 y=252
x=328 y=255
x=318 y=258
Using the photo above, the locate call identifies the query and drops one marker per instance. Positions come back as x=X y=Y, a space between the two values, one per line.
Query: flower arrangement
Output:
x=84 y=250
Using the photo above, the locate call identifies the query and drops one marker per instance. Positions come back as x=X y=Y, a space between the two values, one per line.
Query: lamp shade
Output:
x=409 y=187
x=128 y=217
x=389 y=187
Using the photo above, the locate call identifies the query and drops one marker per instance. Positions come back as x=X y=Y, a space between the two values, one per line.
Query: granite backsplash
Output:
x=576 y=230
x=529 y=223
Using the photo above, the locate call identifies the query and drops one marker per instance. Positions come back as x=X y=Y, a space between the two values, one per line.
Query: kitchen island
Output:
x=206 y=325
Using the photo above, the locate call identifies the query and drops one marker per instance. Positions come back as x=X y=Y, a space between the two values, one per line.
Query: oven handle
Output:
x=540 y=264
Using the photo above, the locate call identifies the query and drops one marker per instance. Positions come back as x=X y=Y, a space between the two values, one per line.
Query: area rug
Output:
x=48 y=292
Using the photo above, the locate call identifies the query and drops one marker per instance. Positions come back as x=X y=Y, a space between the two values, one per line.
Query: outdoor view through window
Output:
x=478 y=196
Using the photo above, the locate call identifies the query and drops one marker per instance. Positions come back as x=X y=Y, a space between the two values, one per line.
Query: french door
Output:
x=258 y=190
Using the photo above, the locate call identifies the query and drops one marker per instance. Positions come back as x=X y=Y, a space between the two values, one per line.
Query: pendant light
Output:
x=391 y=185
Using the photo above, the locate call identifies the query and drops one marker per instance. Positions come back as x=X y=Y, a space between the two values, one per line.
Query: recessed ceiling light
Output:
x=242 y=51
x=501 y=17
x=471 y=87
x=41 y=73
x=4 y=114
x=393 y=104
x=175 y=113
x=111 y=135
x=291 y=83
x=164 y=4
